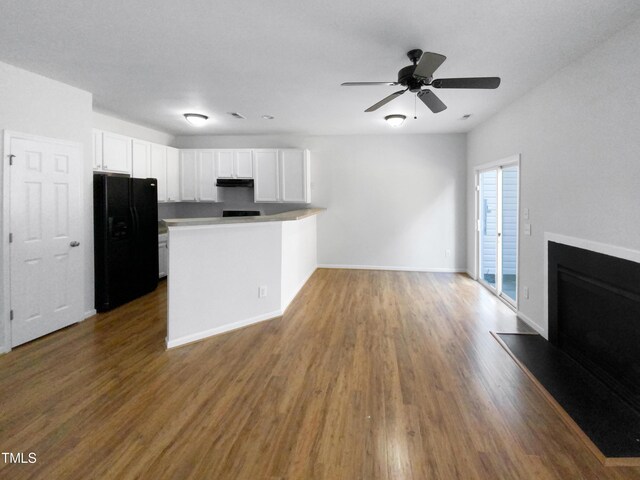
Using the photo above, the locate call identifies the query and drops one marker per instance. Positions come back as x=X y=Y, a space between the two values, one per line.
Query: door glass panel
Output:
x=488 y=226
x=510 y=231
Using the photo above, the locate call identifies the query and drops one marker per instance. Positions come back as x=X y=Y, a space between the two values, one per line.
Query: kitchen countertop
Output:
x=278 y=217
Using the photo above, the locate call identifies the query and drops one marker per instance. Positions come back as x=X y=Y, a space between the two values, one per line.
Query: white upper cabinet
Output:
x=225 y=161
x=198 y=176
x=266 y=181
x=97 y=149
x=188 y=174
x=294 y=176
x=243 y=163
x=282 y=176
x=116 y=153
x=141 y=159
x=159 y=169
x=207 y=190
x=111 y=152
x=173 y=174
x=234 y=163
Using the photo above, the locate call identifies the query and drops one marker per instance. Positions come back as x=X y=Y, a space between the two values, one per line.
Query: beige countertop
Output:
x=279 y=217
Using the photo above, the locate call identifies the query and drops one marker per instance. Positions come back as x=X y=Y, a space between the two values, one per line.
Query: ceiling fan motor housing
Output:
x=406 y=78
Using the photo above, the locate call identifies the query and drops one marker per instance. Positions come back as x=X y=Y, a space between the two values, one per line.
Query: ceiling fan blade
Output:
x=477 y=82
x=359 y=84
x=429 y=62
x=431 y=101
x=385 y=100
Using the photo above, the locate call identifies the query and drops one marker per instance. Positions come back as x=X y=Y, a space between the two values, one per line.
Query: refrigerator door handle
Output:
x=134 y=220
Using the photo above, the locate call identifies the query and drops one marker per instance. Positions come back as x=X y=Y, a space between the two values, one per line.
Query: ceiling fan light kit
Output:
x=196 y=119
x=419 y=75
x=395 y=120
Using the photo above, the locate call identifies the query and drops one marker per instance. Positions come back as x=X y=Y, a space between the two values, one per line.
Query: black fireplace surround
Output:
x=594 y=315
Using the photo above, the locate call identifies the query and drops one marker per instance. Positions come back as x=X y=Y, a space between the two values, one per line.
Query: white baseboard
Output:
x=471 y=275
x=4 y=349
x=222 y=329
x=89 y=313
x=538 y=328
x=393 y=269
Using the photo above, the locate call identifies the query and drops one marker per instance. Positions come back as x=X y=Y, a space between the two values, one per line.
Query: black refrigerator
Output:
x=125 y=219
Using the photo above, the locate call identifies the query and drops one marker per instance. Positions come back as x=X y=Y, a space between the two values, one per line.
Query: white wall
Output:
x=394 y=201
x=109 y=123
x=579 y=136
x=37 y=105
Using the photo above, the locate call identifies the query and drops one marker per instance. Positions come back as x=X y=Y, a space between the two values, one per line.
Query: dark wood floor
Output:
x=368 y=375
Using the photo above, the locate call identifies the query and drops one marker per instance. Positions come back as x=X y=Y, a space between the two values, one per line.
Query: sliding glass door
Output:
x=489 y=227
x=497 y=189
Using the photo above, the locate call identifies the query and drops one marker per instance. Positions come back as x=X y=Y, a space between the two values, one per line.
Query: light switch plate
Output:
x=527 y=229
x=525 y=213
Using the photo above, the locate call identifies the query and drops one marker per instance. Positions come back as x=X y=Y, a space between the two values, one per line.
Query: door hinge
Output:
x=11 y=157
x=11 y=238
x=11 y=315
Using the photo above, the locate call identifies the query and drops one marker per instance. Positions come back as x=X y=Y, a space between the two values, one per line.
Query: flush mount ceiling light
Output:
x=395 y=120
x=196 y=119
x=268 y=117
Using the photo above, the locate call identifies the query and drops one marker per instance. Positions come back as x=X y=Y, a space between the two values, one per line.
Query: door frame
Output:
x=513 y=160
x=5 y=196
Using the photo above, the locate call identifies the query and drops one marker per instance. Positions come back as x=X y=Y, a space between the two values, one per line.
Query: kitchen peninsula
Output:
x=227 y=273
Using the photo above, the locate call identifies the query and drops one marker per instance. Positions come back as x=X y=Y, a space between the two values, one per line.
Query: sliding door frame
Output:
x=499 y=165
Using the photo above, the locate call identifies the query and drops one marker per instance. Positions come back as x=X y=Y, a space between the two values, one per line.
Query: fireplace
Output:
x=594 y=315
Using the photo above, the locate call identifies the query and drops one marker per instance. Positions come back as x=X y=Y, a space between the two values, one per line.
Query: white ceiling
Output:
x=149 y=61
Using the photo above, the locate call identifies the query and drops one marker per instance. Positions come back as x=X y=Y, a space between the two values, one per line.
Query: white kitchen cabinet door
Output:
x=188 y=174
x=116 y=153
x=162 y=259
x=266 y=176
x=207 y=190
x=225 y=163
x=159 y=169
x=294 y=176
x=173 y=174
x=243 y=164
x=140 y=159
x=97 y=149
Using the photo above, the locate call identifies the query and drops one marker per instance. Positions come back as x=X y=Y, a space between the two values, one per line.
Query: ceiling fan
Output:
x=419 y=75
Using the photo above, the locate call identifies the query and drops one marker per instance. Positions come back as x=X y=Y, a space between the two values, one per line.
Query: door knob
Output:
x=75 y=244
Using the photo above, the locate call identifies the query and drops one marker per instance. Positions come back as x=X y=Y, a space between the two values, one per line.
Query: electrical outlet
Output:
x=262 y=291
x=526 y=292
x=527 y=229
x=447 y=253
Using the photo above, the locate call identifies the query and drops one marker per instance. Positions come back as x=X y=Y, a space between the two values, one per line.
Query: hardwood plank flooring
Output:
x=368 y=375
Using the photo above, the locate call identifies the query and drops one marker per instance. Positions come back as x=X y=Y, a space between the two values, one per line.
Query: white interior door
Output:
x=46 y=227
